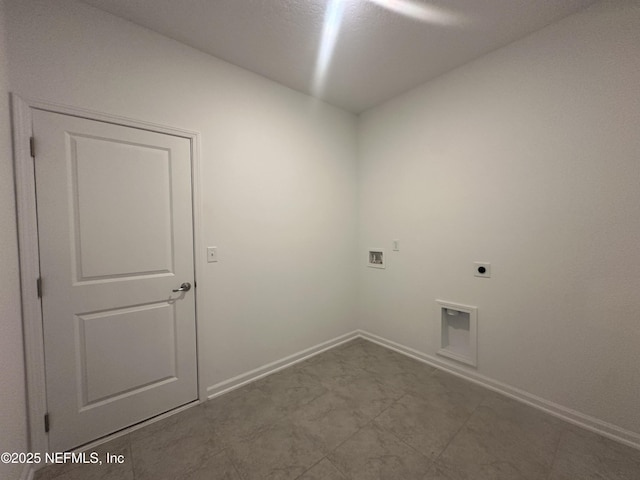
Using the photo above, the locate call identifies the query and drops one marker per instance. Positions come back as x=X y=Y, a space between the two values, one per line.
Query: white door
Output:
x=116 y=237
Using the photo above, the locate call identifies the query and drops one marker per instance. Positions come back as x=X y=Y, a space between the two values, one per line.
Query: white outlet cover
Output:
x=477 y=266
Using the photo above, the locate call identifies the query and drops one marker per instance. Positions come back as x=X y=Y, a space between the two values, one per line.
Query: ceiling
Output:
x=353 y=54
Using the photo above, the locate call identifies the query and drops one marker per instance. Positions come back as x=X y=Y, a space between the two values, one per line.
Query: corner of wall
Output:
x=13 y=414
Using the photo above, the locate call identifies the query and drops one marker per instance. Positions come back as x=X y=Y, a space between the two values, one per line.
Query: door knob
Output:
x=185 y=287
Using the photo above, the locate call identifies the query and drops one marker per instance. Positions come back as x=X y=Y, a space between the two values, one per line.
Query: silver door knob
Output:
x=185 y=287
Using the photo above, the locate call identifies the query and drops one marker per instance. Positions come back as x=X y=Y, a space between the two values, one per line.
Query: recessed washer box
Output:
x=375 y=258
x=458 y=332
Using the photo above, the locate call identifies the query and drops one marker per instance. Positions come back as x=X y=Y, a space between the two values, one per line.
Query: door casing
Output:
x=24 y=169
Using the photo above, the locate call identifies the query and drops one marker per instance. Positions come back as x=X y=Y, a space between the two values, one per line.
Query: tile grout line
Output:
x=337 y=468
x=233 y=464
x=303 y=473
x=283 y=416
x=409 y=445
x=555 y=453
x=563 y=431
x=405 y=393
x=459 y=430
x=369 y=422
x=133 y=458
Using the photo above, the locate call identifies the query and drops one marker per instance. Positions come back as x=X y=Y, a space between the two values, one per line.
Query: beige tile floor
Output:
x=360 y=411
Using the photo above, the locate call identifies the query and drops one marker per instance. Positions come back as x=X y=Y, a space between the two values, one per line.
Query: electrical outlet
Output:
x=482 y=269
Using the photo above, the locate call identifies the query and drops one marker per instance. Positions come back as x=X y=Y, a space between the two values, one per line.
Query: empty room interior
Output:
x=324 y=239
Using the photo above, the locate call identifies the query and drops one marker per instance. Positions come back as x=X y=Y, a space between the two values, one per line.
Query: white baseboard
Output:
x=218 y=389
x=253 y=375
x=587 y=422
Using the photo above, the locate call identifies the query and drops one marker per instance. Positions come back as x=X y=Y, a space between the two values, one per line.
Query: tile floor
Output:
x=360 y=411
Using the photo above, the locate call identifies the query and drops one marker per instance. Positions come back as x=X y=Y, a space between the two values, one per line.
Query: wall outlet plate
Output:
x=482 y=269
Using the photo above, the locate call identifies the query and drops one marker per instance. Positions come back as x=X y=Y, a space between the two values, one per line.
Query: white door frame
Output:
x=24 y=171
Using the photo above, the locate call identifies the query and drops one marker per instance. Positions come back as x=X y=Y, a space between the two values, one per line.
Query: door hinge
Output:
x=39 y=287
x=46 y=423
x=32 y=146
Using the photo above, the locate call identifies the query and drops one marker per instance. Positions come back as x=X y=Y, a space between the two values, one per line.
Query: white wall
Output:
x=13 y=436
x=278 y=173
x=527 y=158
